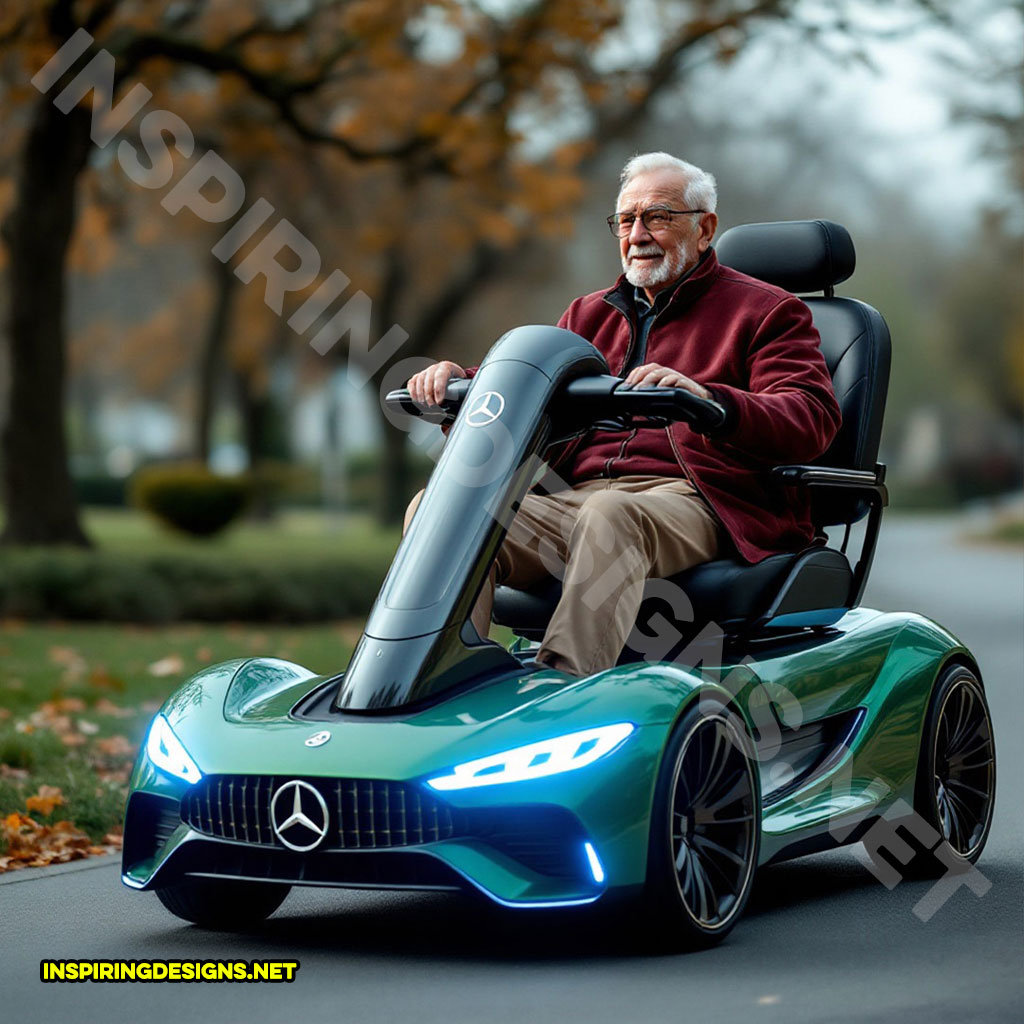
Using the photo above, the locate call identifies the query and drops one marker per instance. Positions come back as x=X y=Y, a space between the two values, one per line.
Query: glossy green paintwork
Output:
x=234 y=718
x=885 y=663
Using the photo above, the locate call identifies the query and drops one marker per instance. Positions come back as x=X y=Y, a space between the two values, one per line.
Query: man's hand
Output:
x=653 y=375
x=428 y=386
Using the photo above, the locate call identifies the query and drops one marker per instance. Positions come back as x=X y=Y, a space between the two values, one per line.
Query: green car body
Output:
x=868 y=679
x=439 y=760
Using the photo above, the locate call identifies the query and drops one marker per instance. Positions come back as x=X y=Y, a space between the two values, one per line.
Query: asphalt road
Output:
x=821 y=941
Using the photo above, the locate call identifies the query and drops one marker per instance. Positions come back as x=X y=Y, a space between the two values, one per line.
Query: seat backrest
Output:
x=805 y=256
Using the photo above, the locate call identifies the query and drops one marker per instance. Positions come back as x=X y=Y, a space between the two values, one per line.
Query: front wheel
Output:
x=956 y=776
x=705 y=828
x=222 y=904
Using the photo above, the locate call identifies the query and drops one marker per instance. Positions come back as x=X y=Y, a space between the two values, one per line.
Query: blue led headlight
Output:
x=534 y=761
x=166 y=751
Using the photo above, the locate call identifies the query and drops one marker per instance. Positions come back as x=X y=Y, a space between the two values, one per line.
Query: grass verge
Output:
x=303 y=568
x=75 y=701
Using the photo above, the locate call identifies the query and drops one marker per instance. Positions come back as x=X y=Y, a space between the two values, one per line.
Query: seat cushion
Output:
x=734 y=594
x=728 y=591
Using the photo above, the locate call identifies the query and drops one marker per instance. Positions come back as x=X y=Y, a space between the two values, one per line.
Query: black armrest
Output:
x=867 y=486
x=864 y=480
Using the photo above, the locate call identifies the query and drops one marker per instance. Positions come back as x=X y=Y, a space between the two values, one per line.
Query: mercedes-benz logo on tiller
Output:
x=486 y=409
x=299 y=816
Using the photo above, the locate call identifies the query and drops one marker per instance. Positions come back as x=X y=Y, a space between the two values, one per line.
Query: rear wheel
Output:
x=705 y=829
x=956 y=776
x=222 y=903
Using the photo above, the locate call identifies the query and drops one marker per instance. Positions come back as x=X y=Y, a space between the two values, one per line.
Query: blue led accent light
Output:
x=168 y=753
x=596 y=869
x=536 y=760
x=579 y=901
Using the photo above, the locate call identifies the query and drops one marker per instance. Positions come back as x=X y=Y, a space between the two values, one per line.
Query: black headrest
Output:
x=798 y=255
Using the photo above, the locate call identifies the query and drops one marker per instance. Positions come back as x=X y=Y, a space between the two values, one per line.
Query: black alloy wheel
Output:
x=706 y=827
x=957 y=772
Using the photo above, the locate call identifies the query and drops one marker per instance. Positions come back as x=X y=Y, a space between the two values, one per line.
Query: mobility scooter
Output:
x=769 y=716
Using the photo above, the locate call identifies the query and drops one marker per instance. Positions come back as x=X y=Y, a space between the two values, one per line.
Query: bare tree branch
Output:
x=281 y=91
x=612 y=122
x=99 y=15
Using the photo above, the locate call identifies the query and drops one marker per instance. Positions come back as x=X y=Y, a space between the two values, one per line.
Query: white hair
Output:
x=700 y=190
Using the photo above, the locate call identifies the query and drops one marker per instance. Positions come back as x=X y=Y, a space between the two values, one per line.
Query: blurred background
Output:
x=188 y=475
x=449 y=165
x=455 y=161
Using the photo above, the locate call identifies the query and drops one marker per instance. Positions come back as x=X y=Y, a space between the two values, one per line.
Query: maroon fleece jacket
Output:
x=755 y=348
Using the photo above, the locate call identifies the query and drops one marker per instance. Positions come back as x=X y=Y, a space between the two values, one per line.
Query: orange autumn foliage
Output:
x=28 y=844
x=44 y=801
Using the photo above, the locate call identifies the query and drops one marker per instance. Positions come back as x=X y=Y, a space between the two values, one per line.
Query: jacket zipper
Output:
x=690 y=477
x=632 y=332
x=622 y=451
x=687 y=473
x=629 y=351
x=625 y=362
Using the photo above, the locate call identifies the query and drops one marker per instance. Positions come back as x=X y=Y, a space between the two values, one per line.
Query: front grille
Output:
x=373 y=814
x=366 y=814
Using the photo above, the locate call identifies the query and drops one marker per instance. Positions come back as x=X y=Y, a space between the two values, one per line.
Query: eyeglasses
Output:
x=654 y=219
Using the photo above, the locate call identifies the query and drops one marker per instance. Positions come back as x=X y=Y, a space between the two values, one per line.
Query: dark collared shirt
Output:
x=646 y=313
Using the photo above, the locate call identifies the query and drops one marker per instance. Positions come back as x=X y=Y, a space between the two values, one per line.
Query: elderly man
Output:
x=655 y=501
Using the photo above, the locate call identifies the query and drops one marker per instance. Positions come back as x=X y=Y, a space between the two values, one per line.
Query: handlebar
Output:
x=401 y=401
x=607 y=397
x=590 y=400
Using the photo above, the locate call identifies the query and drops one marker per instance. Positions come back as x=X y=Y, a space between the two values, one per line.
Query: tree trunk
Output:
x=37 y=488
x=255 y=410
x=211 y=358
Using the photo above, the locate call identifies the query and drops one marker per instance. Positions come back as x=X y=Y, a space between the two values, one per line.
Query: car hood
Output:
x=235 y=718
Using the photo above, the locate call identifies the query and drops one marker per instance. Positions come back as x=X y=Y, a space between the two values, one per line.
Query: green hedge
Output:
x=190 y=498
x=114 y=587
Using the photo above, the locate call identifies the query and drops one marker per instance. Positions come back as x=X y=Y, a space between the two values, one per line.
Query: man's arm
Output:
x=789 y=413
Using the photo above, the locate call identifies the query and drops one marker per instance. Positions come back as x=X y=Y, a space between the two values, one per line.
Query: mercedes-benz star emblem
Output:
x=299 y=816
x=486 y=409
x=318 y=739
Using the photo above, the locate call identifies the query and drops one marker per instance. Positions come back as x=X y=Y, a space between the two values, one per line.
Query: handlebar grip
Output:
x=401 y=401
x=703 y=414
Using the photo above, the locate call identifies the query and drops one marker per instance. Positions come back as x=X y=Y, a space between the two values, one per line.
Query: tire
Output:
x=222 y=904
x=705 y=829
x=956 y=774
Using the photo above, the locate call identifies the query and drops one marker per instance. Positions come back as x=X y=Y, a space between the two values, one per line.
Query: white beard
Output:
x=650 y=274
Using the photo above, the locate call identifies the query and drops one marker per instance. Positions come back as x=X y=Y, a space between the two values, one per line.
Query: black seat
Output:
x=813 y=587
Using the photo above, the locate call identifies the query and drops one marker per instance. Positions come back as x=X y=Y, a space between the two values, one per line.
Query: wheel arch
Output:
x=961 y=657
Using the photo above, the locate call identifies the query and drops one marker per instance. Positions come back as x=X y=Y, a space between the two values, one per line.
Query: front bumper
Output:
x=562 y=840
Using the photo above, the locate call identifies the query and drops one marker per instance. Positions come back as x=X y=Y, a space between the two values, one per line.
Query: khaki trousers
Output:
x=603 y=538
